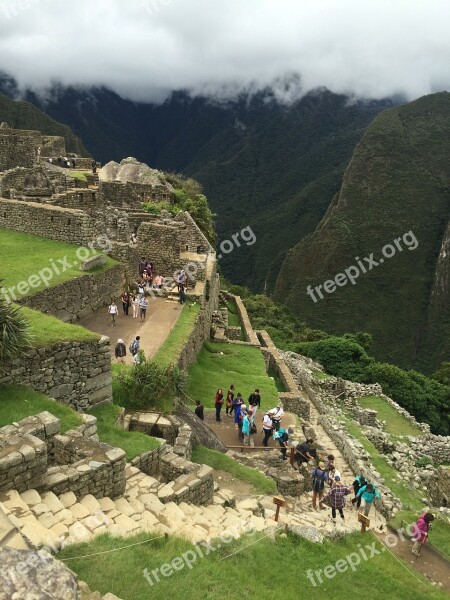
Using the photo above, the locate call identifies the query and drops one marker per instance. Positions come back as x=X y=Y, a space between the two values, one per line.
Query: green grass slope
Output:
x=23 y=115
x=397 y=181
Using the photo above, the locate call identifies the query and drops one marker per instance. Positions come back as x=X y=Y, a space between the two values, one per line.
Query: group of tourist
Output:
x=134 y=348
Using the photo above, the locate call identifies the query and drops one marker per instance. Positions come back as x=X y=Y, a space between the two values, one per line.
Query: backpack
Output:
x=133 y=347
x=318 y=481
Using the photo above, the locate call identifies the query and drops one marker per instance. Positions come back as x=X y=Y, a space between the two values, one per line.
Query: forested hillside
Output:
x=396 y=187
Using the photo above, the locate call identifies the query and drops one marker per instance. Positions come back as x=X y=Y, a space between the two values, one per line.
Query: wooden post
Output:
x=365 y=522
x=279 y=502
x=292 y=456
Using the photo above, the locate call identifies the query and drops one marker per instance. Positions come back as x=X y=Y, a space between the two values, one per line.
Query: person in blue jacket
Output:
x=368 y=493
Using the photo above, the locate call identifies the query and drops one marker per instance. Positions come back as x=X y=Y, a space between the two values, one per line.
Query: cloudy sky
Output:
x=143 y=49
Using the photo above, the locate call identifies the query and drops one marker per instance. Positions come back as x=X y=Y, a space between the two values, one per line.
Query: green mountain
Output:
x=395 y=196
x=264 y=165
x=23 y=115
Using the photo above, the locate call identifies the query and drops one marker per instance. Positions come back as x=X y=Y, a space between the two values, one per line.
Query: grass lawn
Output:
x=25 y=255
x=18 y=402
x=81 y=175
x=279 y=384
x=221 y=462
x=47 y=331
x=219 y=365
x=225 y=573
x=396 y=424
x=172 y=346
x=133 y=442
x=233 y=316
x=321 y=375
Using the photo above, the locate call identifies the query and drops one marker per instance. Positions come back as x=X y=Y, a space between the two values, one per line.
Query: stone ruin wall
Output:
x=131 y=194
x=18 y=148
x=79 y=297
x=63 y=224
x=74 y=373
x=34 y=455
x=53 y=145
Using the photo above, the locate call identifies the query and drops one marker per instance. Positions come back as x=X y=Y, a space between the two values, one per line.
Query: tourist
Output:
x=229 y=403
x=179 y=280
x=336 y=498
x=421 y=529
x=39 y=152
x=139 y=358
x=245 y=428
x=242 y=413
x=218 y=404
x=74 y=163
x=133 y=239
x=112 y=311
x=235 y=403
x=359 y=482
x=94 y=167
x=149 y=270
x=142 y=265
x=304 y=452
x=120 y=351
x=135 y=345
x=238 y=403
x=254 y=398
x=253 y=428
x=143 y=305
x=277 y=414
x=158 y=281
x=199 y=410
x=332 y=473
x=283 y=438
x=182 y=294
x=319 y=477
x=141 y=287
x=125 y=303
x=267 y=428
x=135 y=305
x=368 y=493
x=184 y=279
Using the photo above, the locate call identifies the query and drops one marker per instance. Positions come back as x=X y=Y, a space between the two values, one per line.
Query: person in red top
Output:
x=421 y=529
x=218 y=404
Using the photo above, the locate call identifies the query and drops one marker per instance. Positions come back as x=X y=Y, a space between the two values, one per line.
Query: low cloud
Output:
x=144 y=49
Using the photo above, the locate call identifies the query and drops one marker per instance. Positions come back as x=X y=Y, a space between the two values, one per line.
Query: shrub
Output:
x=148 y=386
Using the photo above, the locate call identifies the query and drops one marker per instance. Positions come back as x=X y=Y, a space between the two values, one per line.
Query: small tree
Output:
x=14 y=335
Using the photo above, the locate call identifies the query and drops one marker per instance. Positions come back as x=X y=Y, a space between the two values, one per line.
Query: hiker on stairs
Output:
x=368 y=493
x=336 y=498
x=319 y=477
x=421 y=529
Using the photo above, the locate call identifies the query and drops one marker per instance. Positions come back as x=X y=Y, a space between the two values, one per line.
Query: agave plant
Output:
x=14 y=336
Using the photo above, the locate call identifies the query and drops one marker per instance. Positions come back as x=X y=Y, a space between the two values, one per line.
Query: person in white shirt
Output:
x=267 y=428
x=112 y=311
x=276 y=414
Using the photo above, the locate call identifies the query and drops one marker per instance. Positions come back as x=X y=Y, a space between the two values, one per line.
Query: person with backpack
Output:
x=229 y=403
x=368 y=493
x=135 y=345
x=120 y=351
x=360 y=481
x=319 y=477
x=277 y=414
x=242 y=413
x=218 y=404
x=336 y=498
x=139 y=358
x=420 y=532
x=267 y=428
x=143 y=305
x=283 y=437
x=246 y=428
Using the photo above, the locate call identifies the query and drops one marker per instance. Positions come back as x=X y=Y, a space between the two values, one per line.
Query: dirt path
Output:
x=160 y=320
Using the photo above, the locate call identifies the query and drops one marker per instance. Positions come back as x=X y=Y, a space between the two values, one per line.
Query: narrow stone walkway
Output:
x=160 y=320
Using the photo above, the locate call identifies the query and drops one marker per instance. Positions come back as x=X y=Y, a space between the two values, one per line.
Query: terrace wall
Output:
x=79 y=297
x=75 y=373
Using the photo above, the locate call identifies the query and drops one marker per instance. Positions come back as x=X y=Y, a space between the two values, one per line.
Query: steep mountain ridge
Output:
x=398 y=181
x=23 y=115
